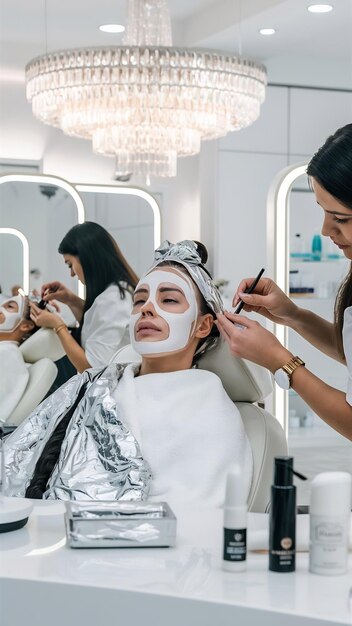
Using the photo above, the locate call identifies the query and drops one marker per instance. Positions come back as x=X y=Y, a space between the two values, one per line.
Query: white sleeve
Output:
x=13 y=379
x=347 y=346
x=105 y=327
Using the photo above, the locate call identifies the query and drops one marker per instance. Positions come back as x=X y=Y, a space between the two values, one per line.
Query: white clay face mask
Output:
x=180 y=324
x=12 y=318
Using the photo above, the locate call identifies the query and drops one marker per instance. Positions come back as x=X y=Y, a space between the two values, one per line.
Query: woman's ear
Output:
x=26 y=326
x=204 y=326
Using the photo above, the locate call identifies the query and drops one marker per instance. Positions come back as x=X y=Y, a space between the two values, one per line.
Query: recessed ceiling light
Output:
x=267 y=31
x=320 y=8
x=112 y=28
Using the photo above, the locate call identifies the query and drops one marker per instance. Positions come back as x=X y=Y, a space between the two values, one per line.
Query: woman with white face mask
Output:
x=163 y=429
x=15 y=327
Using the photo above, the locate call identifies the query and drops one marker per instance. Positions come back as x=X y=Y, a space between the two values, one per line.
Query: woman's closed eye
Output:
x=170 y=301
x=139 y=301
x=12 y=306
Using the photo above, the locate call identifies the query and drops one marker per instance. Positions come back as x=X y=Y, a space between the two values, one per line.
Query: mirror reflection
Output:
x=48 y=213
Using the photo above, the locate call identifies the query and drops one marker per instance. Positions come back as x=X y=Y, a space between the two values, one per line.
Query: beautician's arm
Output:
x=271 y=302
x=58 y=291
x=318 y=331
x=329 y=403
x=74 y=351
x=255 y=343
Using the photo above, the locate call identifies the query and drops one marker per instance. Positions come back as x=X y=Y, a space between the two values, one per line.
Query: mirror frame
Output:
x=131 y=191
x=278 y=256
x=25 y=253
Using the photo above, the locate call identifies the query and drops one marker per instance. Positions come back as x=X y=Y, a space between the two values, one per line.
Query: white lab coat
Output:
x=13 y=378
x=347 y=346
x=105 y=326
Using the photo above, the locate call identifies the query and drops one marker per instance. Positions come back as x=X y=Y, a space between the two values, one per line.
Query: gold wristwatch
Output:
x=283 y=375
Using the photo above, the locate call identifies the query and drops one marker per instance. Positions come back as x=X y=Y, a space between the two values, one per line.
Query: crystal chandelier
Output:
x=145 y=102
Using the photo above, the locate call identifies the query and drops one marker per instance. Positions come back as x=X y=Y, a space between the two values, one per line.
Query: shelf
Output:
x=311 y=262
x=296 y=296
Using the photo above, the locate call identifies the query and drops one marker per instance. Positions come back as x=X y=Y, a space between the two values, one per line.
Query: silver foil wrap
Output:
x=119 y=524
x=100 y=459
x=185 y=253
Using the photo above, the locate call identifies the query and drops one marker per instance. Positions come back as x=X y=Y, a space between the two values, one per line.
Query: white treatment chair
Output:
x=247 y=385
x=39 y=352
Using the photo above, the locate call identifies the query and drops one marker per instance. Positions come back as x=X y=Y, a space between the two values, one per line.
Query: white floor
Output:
x=317 y=449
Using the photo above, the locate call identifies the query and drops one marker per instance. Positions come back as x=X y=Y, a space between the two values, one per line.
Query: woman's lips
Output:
x=146 y=329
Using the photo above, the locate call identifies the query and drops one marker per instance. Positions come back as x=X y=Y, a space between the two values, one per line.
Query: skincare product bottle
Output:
x=296 y=246
x=330 y=512
x=282 y=517
x=316 y=248
x=235 y=523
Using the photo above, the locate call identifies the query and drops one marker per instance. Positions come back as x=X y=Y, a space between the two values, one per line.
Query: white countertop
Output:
x=44 y=582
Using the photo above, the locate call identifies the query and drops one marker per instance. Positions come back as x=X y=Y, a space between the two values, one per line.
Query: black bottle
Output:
x=282 y=519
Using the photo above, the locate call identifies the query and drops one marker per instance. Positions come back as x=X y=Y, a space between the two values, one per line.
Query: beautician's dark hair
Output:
x=331 y=167
x=102 y=261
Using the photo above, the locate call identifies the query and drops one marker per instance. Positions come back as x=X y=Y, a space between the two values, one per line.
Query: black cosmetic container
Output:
x=282 y=518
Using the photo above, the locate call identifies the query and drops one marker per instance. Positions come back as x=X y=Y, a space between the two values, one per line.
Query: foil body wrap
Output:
x=185 y=253
x=100 y=459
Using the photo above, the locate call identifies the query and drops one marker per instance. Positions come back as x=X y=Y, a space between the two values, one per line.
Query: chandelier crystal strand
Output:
x=145 y=104
x=148 y=24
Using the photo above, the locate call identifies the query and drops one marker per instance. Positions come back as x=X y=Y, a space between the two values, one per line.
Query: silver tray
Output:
x=120 y=524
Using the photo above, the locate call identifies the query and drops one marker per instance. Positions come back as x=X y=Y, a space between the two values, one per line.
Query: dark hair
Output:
x=27 y=318
x=50 y=454
x=331 y=167
x=102 y=261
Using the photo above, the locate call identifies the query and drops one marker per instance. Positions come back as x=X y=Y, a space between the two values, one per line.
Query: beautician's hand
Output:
x=44 y=318
x=267 y=299
x=57 y=291
x=251 y=341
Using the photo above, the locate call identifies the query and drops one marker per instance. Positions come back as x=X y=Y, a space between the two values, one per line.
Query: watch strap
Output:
x=290 y=367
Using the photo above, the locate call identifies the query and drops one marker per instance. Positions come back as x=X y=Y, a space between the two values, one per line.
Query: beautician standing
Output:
x=95 y=258
x=330 y=174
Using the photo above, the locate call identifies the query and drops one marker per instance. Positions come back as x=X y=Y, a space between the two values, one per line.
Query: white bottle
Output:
x=330 y=512
x=235 y=522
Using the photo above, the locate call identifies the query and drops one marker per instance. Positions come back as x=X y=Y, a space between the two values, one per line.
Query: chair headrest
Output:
x=242 y=380
x=44 y=343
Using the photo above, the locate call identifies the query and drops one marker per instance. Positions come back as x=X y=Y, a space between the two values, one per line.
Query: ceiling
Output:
x=308 y=49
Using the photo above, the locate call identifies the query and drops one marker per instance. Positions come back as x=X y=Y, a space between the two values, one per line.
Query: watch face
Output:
x=282 y=379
